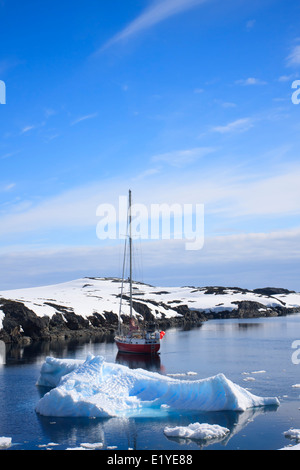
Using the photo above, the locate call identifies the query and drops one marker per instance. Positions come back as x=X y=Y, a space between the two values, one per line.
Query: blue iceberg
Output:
x=96 y=389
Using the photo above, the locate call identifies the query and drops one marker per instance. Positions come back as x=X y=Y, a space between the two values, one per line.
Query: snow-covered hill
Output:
x=91 y=303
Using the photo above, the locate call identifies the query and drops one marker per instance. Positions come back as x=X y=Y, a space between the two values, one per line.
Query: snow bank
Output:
x=95 y=388
x=197 y=431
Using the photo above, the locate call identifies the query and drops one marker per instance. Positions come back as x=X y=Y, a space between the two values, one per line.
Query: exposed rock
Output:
x=273 y=291
x=20 y=323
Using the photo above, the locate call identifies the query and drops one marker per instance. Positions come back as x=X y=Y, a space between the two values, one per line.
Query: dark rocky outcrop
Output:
x=250 y=309
x=273 y=291
x=21 y=325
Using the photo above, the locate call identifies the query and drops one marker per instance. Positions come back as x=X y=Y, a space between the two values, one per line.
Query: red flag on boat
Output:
x=162 y=334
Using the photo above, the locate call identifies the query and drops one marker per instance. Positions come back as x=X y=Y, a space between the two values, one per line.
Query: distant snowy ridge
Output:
x=92 y=304
x=97 y=389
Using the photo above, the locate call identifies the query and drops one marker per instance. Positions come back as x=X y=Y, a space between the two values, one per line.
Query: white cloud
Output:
x=272 y=195
x=286 y=78
x=240 y=125
x=180 y=158
x=31 y=127
x=9 y=186
x=262 y=258
x=27 y=129
x=84 y=118
x=228 y=195
x=294 y=58
x=157 y=12
x=228 y=104
x=251 y=81
x=225 y=193
x=8 y=155
x=147 y=173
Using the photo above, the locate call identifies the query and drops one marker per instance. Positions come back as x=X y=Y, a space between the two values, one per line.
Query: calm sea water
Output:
x=256 y=354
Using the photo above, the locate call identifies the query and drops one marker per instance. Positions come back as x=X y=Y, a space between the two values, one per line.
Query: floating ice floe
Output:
x=95 y=388
x=5 y=442
x=293 y=434
x=296 y=447
x=197 y=431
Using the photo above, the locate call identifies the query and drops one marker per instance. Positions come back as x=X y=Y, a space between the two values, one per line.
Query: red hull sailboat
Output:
x=133 y=339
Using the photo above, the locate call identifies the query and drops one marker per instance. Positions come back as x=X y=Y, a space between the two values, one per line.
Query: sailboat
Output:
x=133 y=339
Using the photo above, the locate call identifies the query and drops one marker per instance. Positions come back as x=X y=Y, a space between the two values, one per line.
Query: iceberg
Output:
x=54 y=369
x=96 y=389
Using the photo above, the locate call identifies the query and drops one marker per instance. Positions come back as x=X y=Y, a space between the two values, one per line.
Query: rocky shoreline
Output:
x=22 y=326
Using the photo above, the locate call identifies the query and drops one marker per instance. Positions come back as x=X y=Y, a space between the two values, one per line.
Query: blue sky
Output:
x=184 y=101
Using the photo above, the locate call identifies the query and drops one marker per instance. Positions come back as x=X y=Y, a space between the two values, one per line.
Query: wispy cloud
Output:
x=9 y=155
x=287 y=78
x=180 y=158
x=156 y=13
x=251 y=81
x=8 y=64
x=240 y=125
x=27 y=129
x=31 y=127
x=84 y=118
x=224 y=192
x=294 y=58
x=8 y=187
x=223 y=259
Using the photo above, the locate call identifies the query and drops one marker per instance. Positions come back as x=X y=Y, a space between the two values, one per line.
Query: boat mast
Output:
x=130 y=253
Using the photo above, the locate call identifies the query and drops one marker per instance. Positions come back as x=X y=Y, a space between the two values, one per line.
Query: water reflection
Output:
x=35 y=352
x=140 y=361
x=2 y=353
x=247 y=326
x=232 y=420
x=134 y=432
x=71 y=432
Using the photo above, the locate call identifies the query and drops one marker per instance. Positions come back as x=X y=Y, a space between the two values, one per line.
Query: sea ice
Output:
x=96 y=445
x=197 y=431
x=5 y=442
x=293 y=434
x=95 y=388
x=296 y=447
